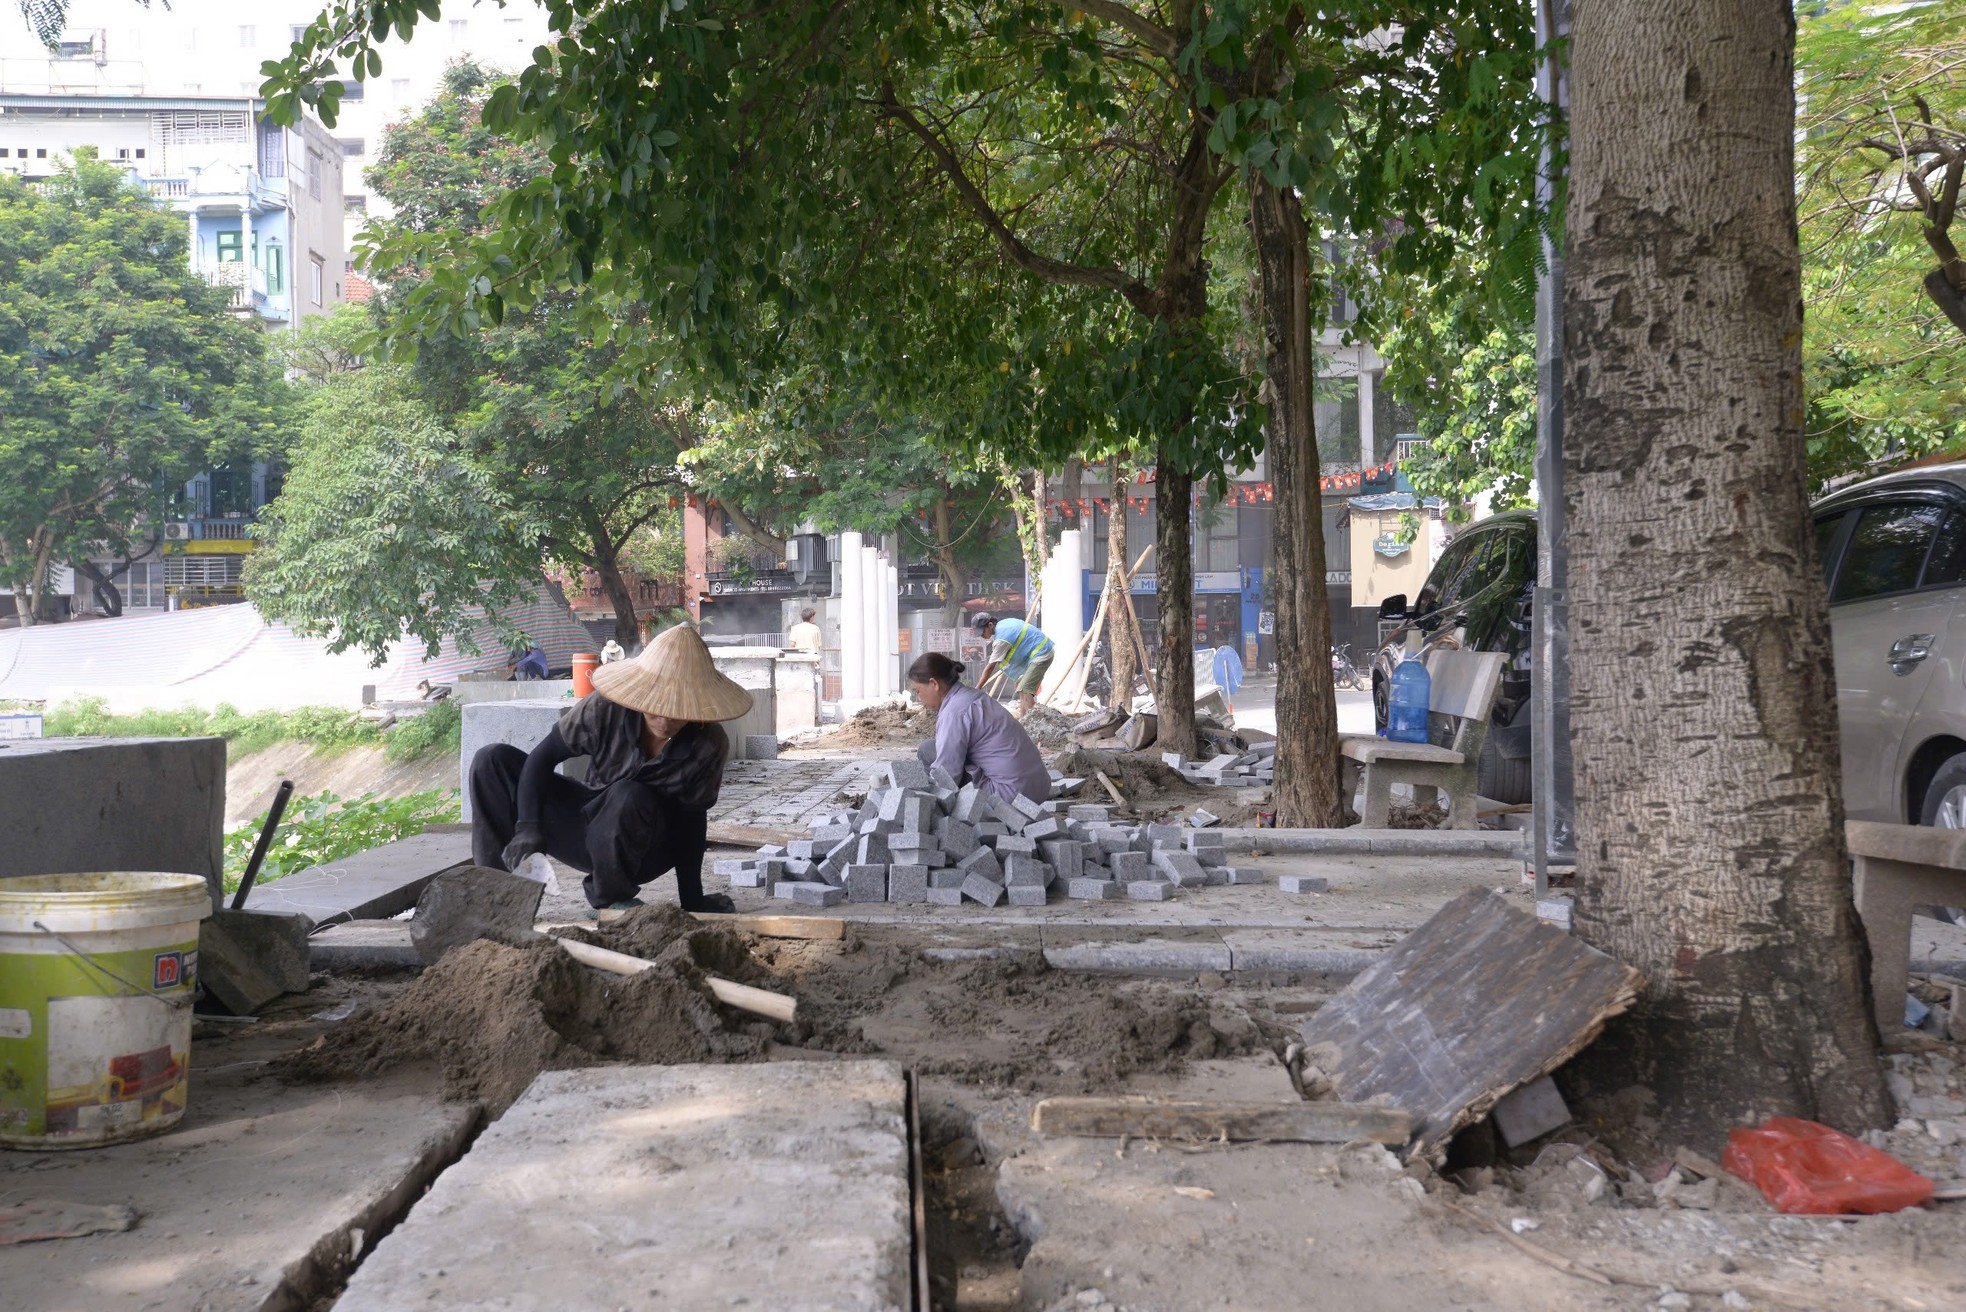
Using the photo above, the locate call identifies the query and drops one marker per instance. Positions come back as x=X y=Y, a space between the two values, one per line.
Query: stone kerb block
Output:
x=521 y=724
x=72 y=805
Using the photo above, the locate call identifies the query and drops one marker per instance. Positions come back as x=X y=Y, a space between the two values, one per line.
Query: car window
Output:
x=1826 y=528
x=1946 y=565
x=1450 y=564
x=1469 y=576
x=1887 y=551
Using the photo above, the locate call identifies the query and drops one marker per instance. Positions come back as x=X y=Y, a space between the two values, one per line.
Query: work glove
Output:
x=526 y=840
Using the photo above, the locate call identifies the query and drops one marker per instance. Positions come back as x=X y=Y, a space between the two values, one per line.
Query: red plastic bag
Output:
x=1803 y=1167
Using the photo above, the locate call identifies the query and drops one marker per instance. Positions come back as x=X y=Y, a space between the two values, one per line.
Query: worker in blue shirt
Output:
x=1021 y=652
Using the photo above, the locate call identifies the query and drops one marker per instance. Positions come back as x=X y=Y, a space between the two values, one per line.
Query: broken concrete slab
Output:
x=472 y=902
x=773 y=1186
x=233 y=967
x=373 y=885
x=276 y=940
x=1358 y=841
x=1177 y=952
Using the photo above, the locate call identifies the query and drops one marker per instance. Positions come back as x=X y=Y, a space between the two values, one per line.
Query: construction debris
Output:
x=1480 y=1000
x=918 y=838
x=1230 y=1122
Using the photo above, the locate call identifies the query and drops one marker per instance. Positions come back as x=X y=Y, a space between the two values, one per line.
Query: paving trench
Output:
x=408 y=1158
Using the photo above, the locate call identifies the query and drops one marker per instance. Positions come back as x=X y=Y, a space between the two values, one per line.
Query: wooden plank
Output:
x=760 y=1002
x=824 y=929
x=1261 y=1122
x=1477 y=1001
x=721 y=835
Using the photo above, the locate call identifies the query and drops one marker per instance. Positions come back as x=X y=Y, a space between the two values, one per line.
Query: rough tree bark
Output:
x=955 y=579
x=606 y=560
x=1306 y=792
x=1174 y=581
x=1709 y=805
x=1122 y=625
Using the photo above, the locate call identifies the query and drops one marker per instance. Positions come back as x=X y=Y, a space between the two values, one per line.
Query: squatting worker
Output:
x=1021 y=651
x=977 y=740
x=805 y=635
x=656 y=760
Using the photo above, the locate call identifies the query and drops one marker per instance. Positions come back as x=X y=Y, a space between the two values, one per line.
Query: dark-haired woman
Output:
x=977 y=740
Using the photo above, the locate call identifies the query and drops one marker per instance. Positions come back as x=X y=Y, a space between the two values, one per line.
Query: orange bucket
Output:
x=584 y=665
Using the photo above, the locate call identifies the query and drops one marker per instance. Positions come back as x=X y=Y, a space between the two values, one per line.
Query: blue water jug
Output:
x=1406 y=714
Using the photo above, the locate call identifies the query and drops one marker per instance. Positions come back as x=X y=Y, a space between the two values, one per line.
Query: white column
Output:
x=870 y=619
x=1063 y=614
x=852 y=601
x=1365 y=403
x=896 y=683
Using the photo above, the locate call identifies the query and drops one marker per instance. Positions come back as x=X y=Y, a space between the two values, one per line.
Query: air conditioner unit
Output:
x=177 y=532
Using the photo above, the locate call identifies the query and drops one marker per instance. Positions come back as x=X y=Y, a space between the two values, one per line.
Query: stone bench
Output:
x=1461 y=693
x=1900 y=870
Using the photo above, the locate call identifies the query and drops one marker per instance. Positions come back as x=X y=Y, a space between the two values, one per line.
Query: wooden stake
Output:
x=759 y=1002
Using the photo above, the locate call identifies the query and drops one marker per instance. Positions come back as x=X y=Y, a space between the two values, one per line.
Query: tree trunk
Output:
x=1306 y=791
x=104 y=586
x=1709 y=804
x=955 y=579
x=606 y=559
x=1174 y=574
x=1041 y=533
x=1122 y=625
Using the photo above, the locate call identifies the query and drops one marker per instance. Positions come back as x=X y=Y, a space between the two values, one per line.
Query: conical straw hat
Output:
x=674 y=676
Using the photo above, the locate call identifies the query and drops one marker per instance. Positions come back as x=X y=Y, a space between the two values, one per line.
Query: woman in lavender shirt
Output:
x=977 y=739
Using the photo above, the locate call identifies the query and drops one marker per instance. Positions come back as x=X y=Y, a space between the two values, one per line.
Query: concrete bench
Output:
x=1462 y=692
x=1900 y=870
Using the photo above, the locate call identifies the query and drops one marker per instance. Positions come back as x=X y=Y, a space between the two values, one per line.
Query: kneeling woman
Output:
x=656 y=760
x=976 y=739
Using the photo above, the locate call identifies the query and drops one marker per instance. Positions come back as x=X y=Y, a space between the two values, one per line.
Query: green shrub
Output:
x=439 y=729
x=323 y=828
x=327 y=728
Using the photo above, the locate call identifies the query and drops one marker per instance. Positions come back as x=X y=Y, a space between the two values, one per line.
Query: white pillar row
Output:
x=853 y=663
x=1366 y=400
x=870 y=619
x=891 y=625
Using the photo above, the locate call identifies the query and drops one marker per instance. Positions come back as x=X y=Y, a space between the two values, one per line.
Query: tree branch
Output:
x=1075 y=275
x=1150 y=34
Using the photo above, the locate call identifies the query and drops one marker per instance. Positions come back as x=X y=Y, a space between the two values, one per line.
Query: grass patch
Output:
x=324 y=827
x=325 y=728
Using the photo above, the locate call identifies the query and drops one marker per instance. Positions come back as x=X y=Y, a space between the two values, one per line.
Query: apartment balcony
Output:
x=247 y=284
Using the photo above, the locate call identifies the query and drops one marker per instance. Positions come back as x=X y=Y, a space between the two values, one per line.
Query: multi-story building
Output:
x=214 y=48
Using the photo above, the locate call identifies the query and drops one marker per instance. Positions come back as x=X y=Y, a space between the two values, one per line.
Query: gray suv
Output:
x=1893 y=551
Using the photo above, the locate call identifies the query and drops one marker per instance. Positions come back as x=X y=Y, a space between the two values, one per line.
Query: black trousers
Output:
x=623 y=836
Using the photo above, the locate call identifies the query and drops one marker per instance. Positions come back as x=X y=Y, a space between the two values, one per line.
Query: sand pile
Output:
x=1049 y=729
x=492 y=1016
x=881 y=726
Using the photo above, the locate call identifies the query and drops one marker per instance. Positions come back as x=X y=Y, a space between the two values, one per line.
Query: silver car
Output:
x=1893 y=551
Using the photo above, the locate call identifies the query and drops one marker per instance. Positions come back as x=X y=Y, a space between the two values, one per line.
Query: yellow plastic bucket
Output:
x=97 y=973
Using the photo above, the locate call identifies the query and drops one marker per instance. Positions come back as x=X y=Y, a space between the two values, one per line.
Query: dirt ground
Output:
x=1017 y=1222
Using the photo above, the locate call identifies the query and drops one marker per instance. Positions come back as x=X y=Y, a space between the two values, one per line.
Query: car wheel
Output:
x=1945 y=808
x=1503 y=779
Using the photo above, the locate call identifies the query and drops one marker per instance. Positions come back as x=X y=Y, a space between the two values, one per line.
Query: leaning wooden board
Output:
x=1238 y=1122
x=1480 y=999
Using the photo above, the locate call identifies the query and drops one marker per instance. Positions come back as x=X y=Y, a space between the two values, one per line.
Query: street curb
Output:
x=1377 y=842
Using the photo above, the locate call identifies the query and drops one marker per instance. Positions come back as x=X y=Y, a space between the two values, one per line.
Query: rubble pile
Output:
x=1255 y=768
x=922 y=838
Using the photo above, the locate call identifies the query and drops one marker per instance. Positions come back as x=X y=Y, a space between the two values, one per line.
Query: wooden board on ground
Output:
x=825 y=929
x=1480 y=999
x=750 y=835
x=1240 y=1122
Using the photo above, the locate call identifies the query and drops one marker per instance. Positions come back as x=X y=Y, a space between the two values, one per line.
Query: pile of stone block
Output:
x=1255 y=768
x=920 y=837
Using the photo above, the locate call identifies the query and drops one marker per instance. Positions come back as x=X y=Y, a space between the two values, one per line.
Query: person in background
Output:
x=611 y=652
x=805 y=635
x=1021 y=651
x=977 y=740
x=528 y=661
x=656 y=762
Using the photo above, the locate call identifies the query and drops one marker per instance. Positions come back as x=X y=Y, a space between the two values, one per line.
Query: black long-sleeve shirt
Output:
x=690 y=770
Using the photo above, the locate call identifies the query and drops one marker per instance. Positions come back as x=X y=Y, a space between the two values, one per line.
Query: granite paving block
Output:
x=978 y=889
x=1029 y=808
x=982 y=862
x=910 y=774
x=957 y=839
x=866 y=883
x=1049 y=827
x=1178 y=866
x=945 y=897
x=952 y=878
x=1304 y=884
x=1023 y=871
x=907 y=883
x=1067 y=856
x=809 y=894
x=1149 y=890
x=1024 y=895
x=1131 y=865
x=1093 y=890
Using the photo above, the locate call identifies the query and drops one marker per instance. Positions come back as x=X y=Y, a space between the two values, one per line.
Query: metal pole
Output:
x=1554 y=842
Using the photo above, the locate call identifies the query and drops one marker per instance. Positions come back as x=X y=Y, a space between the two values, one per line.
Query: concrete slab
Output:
x=371 y=885
x=766 y=1186
x=364 y=945
x=1171 y=951
x=252 y=1204
x=1310 y=951
x=521 y=723
x=69 y=805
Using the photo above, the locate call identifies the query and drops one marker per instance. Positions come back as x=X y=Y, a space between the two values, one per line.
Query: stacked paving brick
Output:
x=922 y=838
x=1255 y=768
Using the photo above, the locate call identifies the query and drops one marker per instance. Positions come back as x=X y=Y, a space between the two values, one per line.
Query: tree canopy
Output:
x=122 y=372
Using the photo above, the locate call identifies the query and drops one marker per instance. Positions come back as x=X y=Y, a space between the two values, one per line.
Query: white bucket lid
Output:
x=101 y=900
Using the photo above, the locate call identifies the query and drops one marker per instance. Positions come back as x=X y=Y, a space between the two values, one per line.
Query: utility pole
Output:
x=1554 y=826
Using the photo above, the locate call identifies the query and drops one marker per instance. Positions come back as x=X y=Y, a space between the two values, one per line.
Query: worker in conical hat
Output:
x=656 y=755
